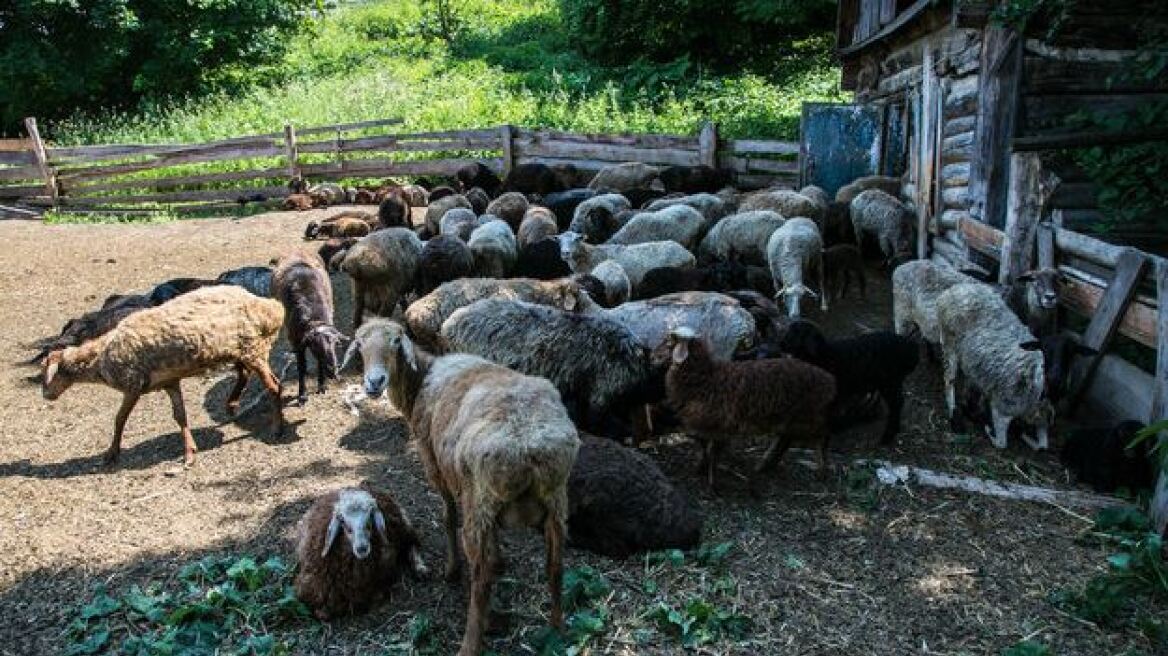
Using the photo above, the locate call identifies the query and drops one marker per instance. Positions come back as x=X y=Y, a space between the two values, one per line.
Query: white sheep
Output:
x=794 y=250
x=458 y=222
x=742 y=236
x=984 y=342
x=155 y=348
x=679 y=223
x=711 y=207
x=885 y=218
x=636 y=259
x=785 y=202
x=726 y=325
x=916 y=286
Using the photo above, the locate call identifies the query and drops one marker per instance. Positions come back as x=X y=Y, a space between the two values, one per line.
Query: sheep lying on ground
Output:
x=511 y=207
x=596 y=217
x=532 y=178
x=621 y=504
x=338 y=228
x=716 y=400
x=384 y=268
x=848 y=192
x=636 y=259
x=986 y=344
x=741 y=237
x=175 y=287
x=842 y=263
x=538 y=223
x=493 y=246
x=257 y=280
x=496 y=442
x=458 y=222
x=541 y=260
x=623 y=177
x=476 y=174
x=302 y=285
x=1101 y=457
x=300 y=203
x=352 y=546
x=727 y=326
x=885 y=218
x=678 y=223
x=874 y=362
x=784 y=202
x=156 y=348
x=438 y=209
x=426 y=315
x=444 y=258
x=711 y=207
x=617 y=287
x=331 y=192
x=92 y=325
x=696 y=179
x=592 y=360
x=794 y=250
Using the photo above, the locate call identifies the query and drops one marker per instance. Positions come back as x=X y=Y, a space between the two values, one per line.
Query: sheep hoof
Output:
x=111 y=456
x=302 y=400
x=232 y=408
x=189 y=459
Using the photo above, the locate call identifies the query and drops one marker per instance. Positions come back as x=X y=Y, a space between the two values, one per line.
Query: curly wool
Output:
x=492 y=245
x=596 y=217
x=741 y=236
x=438 y=209
x=509 y=207
x=626 y=176
x=711 y=207
x=458 y=222
x=723 y=322
x=784 y=202
x=444 y=258
x=881 y=215
x=538 y=223
x=916 y=286
x=677 y=223
x=383 y=267
x=617 y=287
x=637 y=259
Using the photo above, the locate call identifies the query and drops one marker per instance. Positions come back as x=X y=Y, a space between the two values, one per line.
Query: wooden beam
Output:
x=507 y=137
x=931 y=102
x=1087 y=139
x=1030 y=188
x=997 y=108
x=903 y=19
x=708 y=145
x=1159 y=506
x=1103 y=325
x=1045 y=246
x=290 y=152
x=42 y=160
x=1083 y=294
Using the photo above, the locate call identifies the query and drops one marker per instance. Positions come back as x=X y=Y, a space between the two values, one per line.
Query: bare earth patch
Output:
x=838 y=565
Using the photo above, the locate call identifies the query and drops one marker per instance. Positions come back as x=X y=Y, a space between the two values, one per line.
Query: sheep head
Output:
x=677 y=344
x=55 y=375
x=386 y=352
x=571 y=246
x=356 y=511
x=1043 y=286
x=791 y=295
x=805 y=341
x=311 y=230
x=323 y=341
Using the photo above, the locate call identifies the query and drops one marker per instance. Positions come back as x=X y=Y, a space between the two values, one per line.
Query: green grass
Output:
x=512 y=63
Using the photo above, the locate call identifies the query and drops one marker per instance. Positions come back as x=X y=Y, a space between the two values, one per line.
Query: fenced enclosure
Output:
x=206 y=176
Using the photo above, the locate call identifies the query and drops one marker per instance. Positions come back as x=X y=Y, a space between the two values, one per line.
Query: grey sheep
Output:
x=887 y=184
x=794 y=251
x=458 y=222
x=255 y=279
x=881 y=215
x=444 y=258
x=438 y=209
x=785 y=202
x=637 y=259
x=678 y=223
x=383 y=268
x=478 y=199
x=624 y=177
x=596 y=217
x=741 y=237
x=617 y=287
x=916 y=287
x=725 y=324
x=712 y=207
x=538 y=223
x=493 y=247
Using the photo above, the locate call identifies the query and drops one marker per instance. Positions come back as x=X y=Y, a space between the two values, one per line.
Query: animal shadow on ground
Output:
x=254 y=412
x=139 y=455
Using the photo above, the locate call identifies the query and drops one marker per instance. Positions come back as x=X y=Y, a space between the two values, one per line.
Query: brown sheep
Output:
x=415 y=195
x=538 y=223
x=345 y=571
x=297 y=203
x=715 y=400
x=337 y=227
x=155 y=349
x=302 y=284
x=494 y=441
x=334 y=250
x=383 y=268
x=511 y=207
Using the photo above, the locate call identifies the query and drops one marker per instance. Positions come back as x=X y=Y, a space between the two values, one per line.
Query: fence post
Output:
x=42 y=159
x=708 y=145
x=1029 y=190
x=291 y=151
x=1159 y=507
x=506 y=136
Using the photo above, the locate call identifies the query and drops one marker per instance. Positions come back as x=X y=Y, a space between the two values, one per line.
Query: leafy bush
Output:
x=217 y=605
x=58 y=56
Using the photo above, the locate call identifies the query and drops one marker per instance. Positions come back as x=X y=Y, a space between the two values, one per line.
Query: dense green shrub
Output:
x=57 y=57
x=719 y=33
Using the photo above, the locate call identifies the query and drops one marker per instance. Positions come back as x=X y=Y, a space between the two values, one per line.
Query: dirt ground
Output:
x=822 y=566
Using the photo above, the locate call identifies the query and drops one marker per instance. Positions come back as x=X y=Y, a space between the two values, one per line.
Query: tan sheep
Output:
x=156 y=348
x=494 y=442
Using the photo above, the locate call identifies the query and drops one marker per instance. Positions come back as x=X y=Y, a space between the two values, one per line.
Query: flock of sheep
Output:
x=534 y=314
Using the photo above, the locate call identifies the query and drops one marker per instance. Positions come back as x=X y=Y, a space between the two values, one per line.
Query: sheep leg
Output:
x=775 y=453
x=642 y=425
x=129 y=400
x=1001 y=428
x=479 y=545
x=554 y=542
x=179 y=411
x=301 y=373
x=241 y=376
x=451 y=517
x=822 y=287
x=894 y=399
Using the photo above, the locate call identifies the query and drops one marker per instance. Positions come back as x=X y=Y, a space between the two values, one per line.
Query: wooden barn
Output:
x=981 y=111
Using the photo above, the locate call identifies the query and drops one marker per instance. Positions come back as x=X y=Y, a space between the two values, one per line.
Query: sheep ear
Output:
x=379 y=523
x=680 y=351
x=350 y=353
x=407 y=349
x=334 y=528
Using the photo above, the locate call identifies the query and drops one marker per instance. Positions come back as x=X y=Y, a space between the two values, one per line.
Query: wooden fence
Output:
x=215 y=174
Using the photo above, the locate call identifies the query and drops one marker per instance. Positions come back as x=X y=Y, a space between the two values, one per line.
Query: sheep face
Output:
x=55 y=379
x=384 y=348
x=311 y=230
x=357 y=513
x=571 y=246
x=791 y=295
x=804 y=340
x=1043 y=287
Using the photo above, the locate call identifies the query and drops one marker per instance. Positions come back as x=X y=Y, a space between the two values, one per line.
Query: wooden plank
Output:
x=1090 y=248
x=981 y=237
x=754 y=181
x=1045 y=246
x=867 y=38
x=93 y=154
x=9 y=213
x=22 y=173
x=997 y=111
x=1030 y=188
x=1082 y=295
x=507 y=140
x=387 y=167
x=762 y=147
x=637 y=140
x=349 y=127
x=931 y=103
x=291 y=153
x=160 y=184
x=396 y=144
x=216 y=154
x=38 y=151
x=1106 y=319
x=174 y=197
x=17 y=158
x=708 y=145
x=751 y=165
x=1159 y=506
x=609 y=153
x=19 y=191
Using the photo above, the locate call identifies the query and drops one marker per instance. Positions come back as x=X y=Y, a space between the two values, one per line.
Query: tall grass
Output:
x=512 y=63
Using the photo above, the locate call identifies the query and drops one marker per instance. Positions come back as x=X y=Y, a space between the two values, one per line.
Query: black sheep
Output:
x=532 y=178
x=696 y=179
x=563 y=204
x=477 y=174
x=620 y=504
x=541 y=260
x=478 y=199
x=639 y=198
x=718 y=277
x=438 y=193
x=874 y=362
x=393 y=212
x=444 y=258
x=163 y=292
x=1102 y=458
x=302 y=284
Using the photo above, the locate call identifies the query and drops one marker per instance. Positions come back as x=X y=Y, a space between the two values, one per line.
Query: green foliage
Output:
x=699 y=622
x=1152 y=432
x=160 y=215
x=584 y=591
x=1027 y=648
x=217 y=605
x=56 y=56
x=1133 y=592
x=1024 y=14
